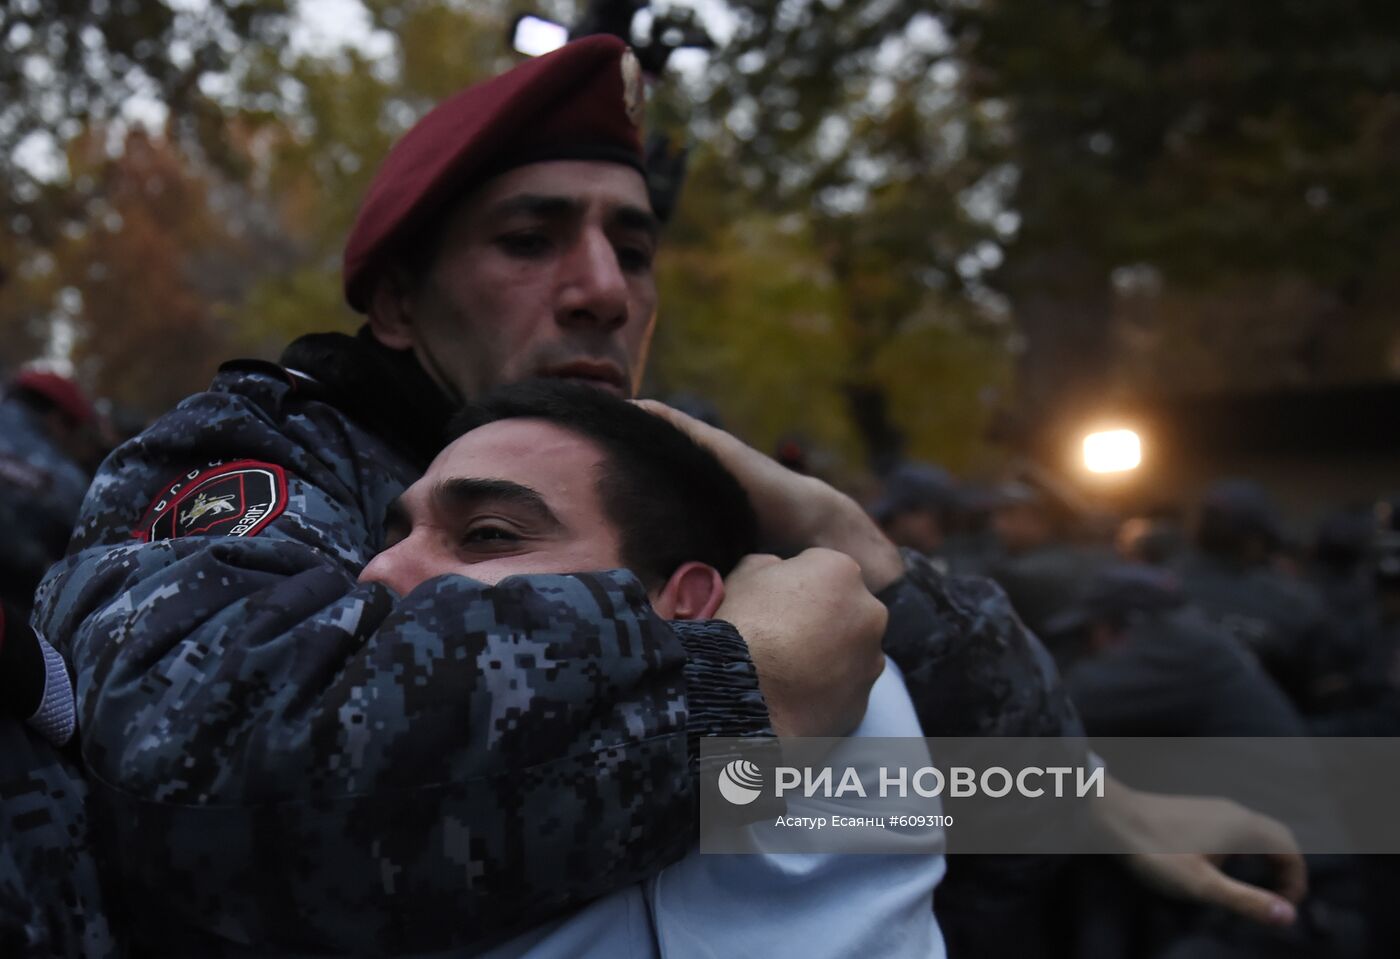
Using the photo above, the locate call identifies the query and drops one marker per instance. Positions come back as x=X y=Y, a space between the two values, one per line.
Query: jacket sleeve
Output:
x=971 y=665
x=284 y=756
x=974 y=669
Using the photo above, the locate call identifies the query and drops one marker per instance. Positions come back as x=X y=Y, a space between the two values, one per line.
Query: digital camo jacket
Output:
x=282 y=757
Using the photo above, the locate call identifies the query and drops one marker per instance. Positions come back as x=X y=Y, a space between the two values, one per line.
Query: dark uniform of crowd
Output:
x=1163 y=627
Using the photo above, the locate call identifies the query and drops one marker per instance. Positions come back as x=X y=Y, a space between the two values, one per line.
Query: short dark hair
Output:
x=670 y=498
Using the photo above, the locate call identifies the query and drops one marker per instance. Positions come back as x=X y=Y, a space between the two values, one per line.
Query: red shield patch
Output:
x=221 y=499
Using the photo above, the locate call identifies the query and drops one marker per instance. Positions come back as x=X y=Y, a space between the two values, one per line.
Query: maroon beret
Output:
x=58 y=390
x=581 y=102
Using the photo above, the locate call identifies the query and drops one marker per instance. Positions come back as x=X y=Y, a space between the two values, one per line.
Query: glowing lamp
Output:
x=536 y=36
x=1112 y=451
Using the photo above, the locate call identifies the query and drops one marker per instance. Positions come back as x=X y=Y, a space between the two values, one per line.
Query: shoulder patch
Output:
x=219 y=499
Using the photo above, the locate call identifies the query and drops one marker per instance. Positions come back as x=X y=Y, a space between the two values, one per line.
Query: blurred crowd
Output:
x=1207 y=619
x=1316 y=619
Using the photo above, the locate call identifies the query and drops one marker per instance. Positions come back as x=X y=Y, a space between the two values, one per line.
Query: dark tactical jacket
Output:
x=284 y=757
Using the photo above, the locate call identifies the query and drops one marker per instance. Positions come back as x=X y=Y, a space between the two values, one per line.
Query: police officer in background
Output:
x=1139 y=661
x=45 y=420
x=1230 y=576
x=1042 y=567
x=51 y=901
x=46 y=425
x=914 y=507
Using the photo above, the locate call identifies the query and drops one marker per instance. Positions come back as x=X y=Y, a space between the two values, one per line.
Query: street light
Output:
x=1112 y=451
x=536 y=36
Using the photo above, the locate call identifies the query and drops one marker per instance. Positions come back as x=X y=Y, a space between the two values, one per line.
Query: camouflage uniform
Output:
x=972 y=667
x=284 y=757
x=51 y=901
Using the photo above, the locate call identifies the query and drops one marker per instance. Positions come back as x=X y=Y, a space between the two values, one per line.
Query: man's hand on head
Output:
x=796 y=512
x=814 y=632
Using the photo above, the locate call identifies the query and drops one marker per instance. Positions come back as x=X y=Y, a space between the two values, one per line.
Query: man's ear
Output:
x=694 y=591
x=390 y=315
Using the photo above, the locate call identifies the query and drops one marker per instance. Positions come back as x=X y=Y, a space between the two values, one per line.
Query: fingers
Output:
x=702 y=433
x=1281 y=847
x=1273 y=839
x=754 y=562
x=1292 y=873
x=1251 y=902
x=751 y=564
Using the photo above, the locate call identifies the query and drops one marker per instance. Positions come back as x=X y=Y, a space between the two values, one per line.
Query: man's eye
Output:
x=490 y=535
x=634 y=259
x=524 y=244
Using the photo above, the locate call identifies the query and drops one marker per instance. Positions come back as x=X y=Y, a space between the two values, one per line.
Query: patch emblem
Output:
x=632 y=95
x=220 y=499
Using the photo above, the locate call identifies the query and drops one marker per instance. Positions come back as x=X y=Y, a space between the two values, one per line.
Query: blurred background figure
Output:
x=1231 y=575
x=1341 y=566
x=1155 y=537
x=915 y=507
x=1045 y=560
x=46 y=433
x=1139 y=661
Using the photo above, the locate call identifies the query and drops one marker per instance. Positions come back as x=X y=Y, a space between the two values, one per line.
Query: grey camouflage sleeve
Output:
x=971 y=665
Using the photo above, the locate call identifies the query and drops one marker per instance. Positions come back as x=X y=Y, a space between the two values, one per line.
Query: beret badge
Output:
x=632 y=95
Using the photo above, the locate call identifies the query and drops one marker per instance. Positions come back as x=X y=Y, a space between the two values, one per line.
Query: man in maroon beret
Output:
x=292 y=760
x=296 y=761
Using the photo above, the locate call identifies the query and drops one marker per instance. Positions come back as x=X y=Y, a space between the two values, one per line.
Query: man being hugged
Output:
x=556 y=478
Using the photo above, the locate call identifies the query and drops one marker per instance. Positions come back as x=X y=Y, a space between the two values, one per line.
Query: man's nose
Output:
x=398 y=568
x=594 y=289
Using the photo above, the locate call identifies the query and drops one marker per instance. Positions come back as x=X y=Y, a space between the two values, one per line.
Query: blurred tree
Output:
x=848 y=119
x=1211 y=178
x=143 y=287
x=67 y=69
x=749 y=320
x=878 y=187
x=1169 y=195
x=337 y=117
